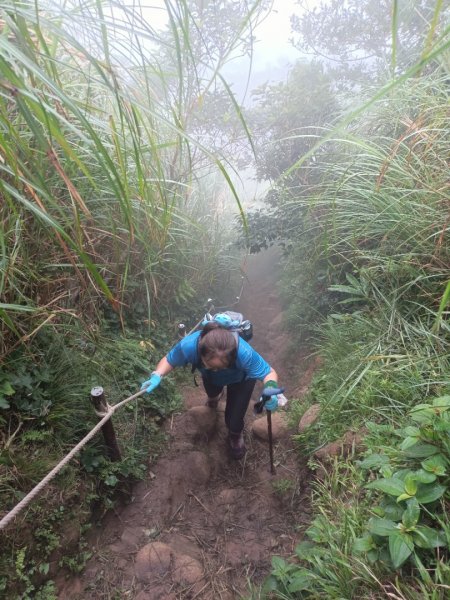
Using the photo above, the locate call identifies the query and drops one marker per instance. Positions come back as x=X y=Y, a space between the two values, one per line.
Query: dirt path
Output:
x=203 y=526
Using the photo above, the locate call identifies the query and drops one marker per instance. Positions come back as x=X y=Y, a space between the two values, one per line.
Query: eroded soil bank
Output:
x=203 y=526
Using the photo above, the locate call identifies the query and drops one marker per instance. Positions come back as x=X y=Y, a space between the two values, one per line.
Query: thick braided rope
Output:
x=41 y=485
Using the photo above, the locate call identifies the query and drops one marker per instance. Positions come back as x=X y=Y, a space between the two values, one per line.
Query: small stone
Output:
x=123 y=563
x=158 y=560
x=329 y=451
x=153 y=560
x=187 y=569
x=228 y=496
x=199 y=421
x=131 y=536
x=279 y=427
x=309 y=417
x=343 y=447
x=151 y=533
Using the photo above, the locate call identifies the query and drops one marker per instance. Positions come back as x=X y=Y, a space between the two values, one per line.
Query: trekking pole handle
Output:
x=267 y=392
x=265 y=395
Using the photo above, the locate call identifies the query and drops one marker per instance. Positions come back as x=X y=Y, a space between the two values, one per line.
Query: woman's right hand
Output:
x=152 y=383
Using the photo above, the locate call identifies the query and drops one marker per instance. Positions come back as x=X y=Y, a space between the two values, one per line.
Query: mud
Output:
x=203 y=526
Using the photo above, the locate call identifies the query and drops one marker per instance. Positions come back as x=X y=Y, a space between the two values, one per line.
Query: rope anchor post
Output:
x=101 y=409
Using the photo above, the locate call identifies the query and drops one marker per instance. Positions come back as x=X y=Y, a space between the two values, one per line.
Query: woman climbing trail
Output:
x=205 y=526
x=223 y=359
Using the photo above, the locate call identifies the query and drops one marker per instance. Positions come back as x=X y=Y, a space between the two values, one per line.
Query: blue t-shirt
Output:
x=249 y=364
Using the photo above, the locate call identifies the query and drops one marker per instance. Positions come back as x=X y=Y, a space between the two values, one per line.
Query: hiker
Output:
x=223 y=359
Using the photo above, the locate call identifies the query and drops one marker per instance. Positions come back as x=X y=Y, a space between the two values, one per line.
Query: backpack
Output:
x=232 y=321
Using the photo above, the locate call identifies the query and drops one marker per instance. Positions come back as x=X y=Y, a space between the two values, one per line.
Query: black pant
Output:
x=238 y=398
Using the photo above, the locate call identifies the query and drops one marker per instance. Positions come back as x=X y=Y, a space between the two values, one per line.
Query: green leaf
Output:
x=411 y=515
x=425 y=576
x=317 y=531
x=374 y=461
x=4 y=404
x=380 y=512
x=421 y=450
x=270 y=584
x=410 y=484
x=301 y=580
x=442 y=402
x=436 y=464
x=408 y=442
x=391 y=486
x=363 y=544
x=392 y=511
x=306 y=550
x=403 y=497
x=18 y=307
x=400 y=548
x=423 y=476
x=412 y=431
x=111 y=480
x=383 y=527
x=446 y=296
x=429 y=492
x=386 y=471
x=422 y=413
x=427 y=537
x=278 y=563
x=402 y=474
x=6 y=389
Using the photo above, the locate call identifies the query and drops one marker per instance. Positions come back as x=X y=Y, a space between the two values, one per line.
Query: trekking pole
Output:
x=258 y=408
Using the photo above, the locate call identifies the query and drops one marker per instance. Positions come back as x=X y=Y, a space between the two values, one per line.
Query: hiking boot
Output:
x=237 y=445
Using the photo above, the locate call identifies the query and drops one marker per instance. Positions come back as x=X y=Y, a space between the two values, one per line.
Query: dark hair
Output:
x=217 y=342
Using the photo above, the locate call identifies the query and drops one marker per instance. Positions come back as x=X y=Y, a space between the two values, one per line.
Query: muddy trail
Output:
x=202 y=525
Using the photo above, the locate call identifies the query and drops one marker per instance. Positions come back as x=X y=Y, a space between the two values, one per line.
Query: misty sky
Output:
x=273 y=47
x=273 y=51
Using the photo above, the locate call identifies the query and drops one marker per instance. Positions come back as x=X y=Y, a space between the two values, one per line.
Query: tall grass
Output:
x=96 y=158
x=109 y=220
x=367 y=284
x=380 y=224
x=366 y=215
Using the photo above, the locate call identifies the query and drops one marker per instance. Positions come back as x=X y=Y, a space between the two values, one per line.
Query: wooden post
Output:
x=99 y=402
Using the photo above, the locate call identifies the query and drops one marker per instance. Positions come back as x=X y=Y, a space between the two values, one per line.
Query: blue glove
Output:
x=271 y=404
x=151 y=383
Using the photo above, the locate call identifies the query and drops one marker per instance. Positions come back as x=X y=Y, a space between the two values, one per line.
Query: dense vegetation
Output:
x=114 y=137
x=363 y=211
x=109 y=169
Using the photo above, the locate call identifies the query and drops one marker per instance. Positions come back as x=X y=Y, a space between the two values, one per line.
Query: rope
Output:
x=35 y=491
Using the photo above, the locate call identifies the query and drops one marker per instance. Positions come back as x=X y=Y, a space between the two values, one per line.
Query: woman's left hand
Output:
x=271 y=404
